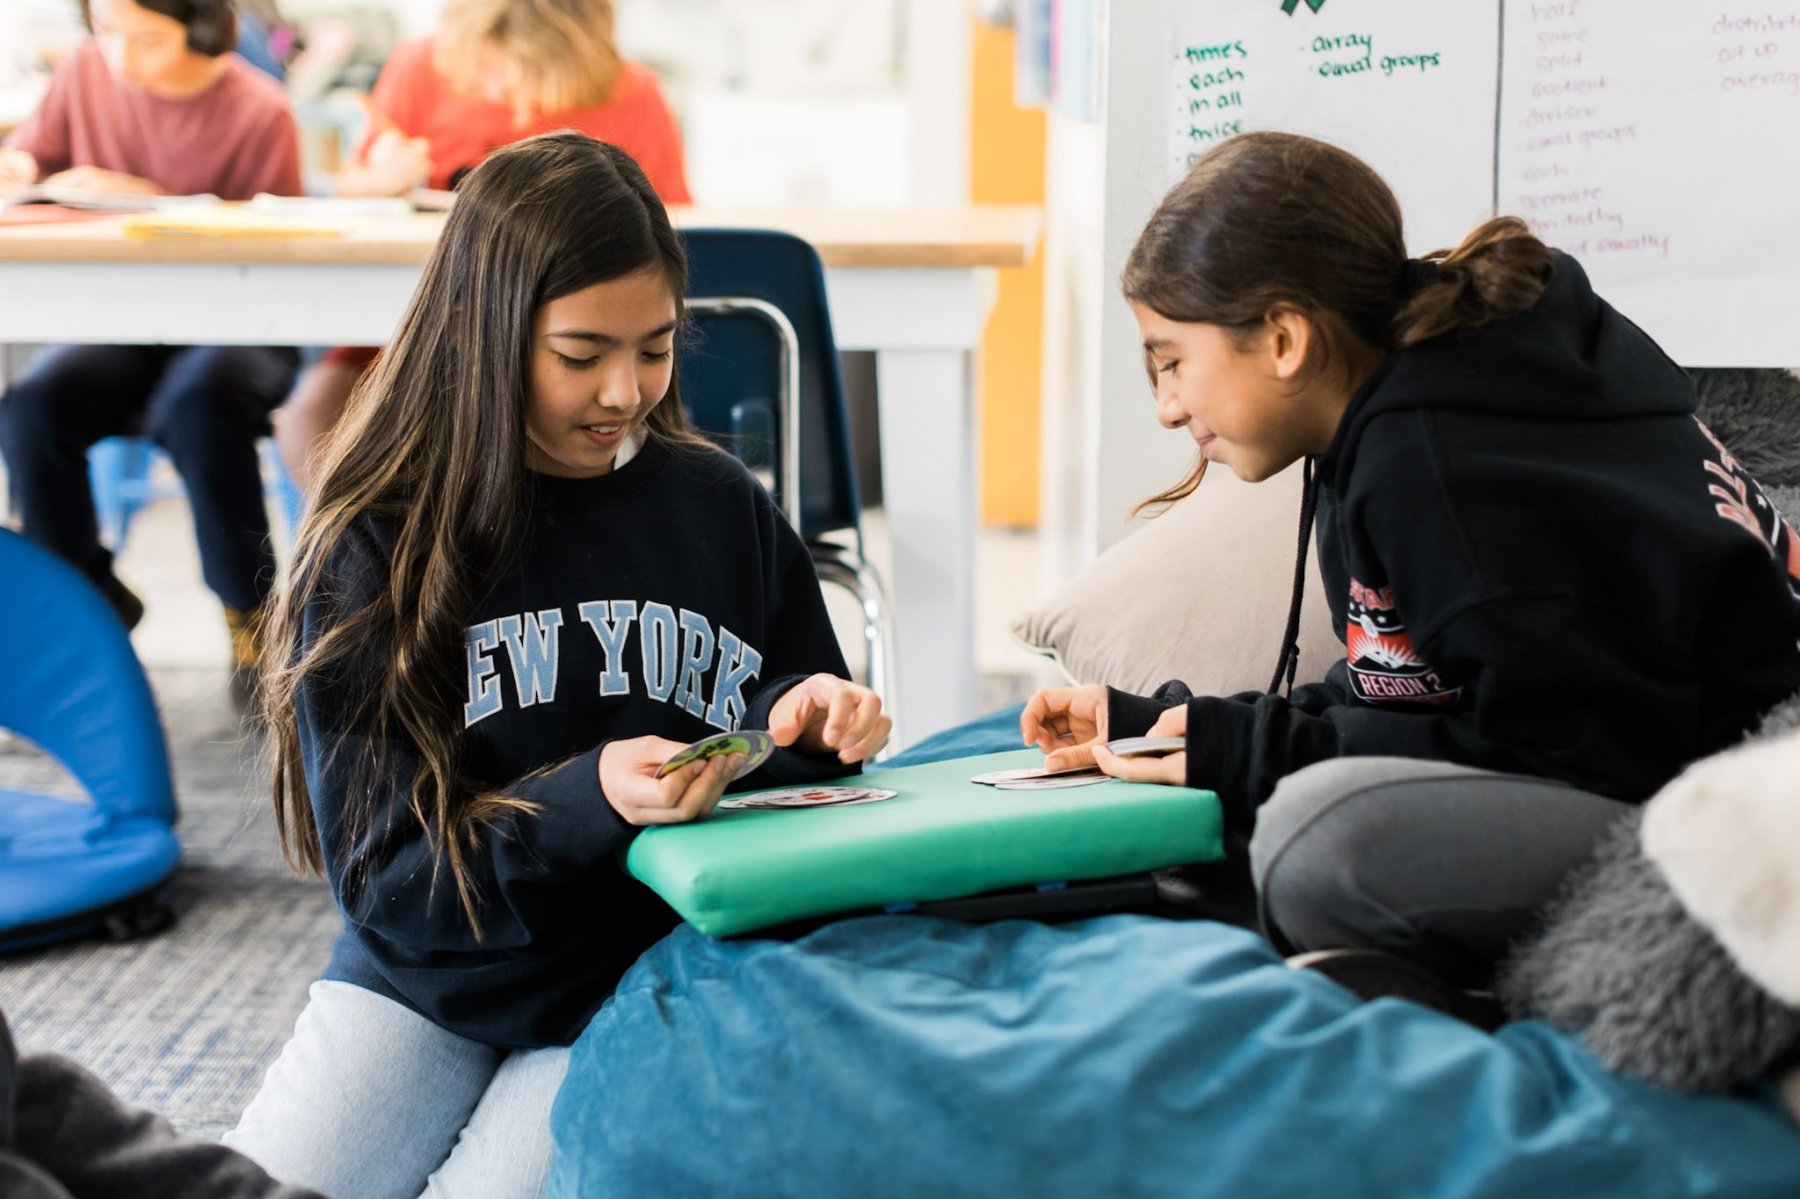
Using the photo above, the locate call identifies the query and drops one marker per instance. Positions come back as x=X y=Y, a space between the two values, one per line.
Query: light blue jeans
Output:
x=370 y=1100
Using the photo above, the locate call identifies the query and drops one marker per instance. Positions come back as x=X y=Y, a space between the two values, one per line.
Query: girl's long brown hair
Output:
x=432 y=446
x=1268 y=220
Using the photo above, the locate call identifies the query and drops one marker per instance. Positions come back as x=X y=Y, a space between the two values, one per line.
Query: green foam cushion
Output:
x=941 y=837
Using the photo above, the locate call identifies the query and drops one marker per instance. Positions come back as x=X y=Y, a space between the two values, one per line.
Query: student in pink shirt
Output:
x=155 y=103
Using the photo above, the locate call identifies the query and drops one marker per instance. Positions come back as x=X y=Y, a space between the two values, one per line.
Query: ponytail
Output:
x=1500 y=269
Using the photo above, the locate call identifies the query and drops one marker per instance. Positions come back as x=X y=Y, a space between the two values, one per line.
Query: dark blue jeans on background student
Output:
x=205 y=406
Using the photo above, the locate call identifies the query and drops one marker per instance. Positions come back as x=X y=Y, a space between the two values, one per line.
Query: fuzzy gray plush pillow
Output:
x=1757 y=414
x=1655 y=993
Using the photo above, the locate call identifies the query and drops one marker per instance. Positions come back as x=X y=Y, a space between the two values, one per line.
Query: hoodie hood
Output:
x=1569 y=357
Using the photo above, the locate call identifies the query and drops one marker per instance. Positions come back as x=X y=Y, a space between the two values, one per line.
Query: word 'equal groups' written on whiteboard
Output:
x=1657 y=142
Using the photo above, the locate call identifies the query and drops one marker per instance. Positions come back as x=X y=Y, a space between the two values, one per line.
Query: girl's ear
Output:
x=1287 y=338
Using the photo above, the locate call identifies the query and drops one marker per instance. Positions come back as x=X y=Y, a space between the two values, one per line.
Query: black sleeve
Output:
x=801 y=644
x=1129 y=715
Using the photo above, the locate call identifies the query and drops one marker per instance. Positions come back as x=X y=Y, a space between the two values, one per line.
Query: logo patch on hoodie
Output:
x=1385 y=668
x=1739 y=500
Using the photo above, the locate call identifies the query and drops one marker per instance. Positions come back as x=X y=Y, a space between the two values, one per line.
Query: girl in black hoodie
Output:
x=1555 y=587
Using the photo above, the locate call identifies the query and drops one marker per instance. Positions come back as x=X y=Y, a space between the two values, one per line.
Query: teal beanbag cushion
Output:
x=1121 y=1056
x=941 y=837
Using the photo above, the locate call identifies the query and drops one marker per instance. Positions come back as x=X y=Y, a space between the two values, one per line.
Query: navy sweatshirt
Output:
x=1539 y=562
x=669 y=597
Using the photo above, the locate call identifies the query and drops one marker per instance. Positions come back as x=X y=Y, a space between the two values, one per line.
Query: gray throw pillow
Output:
x=1198 y=594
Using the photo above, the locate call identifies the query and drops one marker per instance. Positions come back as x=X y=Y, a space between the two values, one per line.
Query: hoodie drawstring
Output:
x=1290 y=640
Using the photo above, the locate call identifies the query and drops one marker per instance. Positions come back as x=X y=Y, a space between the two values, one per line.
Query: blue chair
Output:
x=77 y=690
x=124 y=475
x=761 y=377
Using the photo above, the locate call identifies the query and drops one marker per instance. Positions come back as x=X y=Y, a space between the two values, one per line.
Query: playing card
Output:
x=808 y=797
x=754 y=744
x=996 y=777
x=1051 y=782
x=1127 y=747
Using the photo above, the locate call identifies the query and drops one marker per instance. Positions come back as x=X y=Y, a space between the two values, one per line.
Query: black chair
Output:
x=759 y=373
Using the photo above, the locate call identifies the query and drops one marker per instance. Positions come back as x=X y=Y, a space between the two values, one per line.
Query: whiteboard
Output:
x=1408 y=86
x=1664 y=152
x=1658 y=143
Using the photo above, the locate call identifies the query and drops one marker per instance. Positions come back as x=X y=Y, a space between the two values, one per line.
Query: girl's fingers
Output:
x=700 y=791
x=838 y=718
x=869 y=741
x=1170 y=769
x=1172 y=723
x=800 y=715
x=707 y=789
x=670 y=788
x=1038 y=710
x=864 y=712
x=1069 y=757
x=871 y=745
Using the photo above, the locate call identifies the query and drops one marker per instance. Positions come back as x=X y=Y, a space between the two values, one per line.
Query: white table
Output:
x=914 y=286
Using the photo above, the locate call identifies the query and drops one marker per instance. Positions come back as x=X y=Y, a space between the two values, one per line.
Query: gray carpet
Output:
x=186 y=1021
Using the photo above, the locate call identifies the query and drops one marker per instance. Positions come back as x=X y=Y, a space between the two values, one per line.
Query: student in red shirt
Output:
x=496 y=72
x=155 y=103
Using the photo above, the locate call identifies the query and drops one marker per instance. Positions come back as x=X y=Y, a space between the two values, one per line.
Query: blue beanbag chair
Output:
x=1122 y=1056
x=992 y=733
x=75 y=687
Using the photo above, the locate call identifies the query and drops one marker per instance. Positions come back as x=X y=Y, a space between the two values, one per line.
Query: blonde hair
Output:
x=560 y=53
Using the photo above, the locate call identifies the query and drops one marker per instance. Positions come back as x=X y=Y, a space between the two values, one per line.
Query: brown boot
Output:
x=246 y=656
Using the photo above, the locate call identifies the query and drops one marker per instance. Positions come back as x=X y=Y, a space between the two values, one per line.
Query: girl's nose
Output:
x=618 y=389
x=1168 y=412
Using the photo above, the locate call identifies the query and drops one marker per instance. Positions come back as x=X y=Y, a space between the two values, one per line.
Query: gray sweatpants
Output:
x=1445 y=865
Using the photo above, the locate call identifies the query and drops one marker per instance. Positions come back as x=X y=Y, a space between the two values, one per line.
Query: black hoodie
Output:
x=1539 y=562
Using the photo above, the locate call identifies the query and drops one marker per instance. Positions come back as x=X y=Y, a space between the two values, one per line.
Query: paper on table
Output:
x=93 y=201
x=238 y=220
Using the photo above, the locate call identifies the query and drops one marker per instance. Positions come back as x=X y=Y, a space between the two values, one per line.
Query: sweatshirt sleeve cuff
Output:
x=786 y=766
x=1129 y=715
x=762 y=704
x=575 y=826
x=1219 y=733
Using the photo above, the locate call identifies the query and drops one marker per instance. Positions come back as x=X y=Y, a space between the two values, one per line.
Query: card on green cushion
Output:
x=941 y=837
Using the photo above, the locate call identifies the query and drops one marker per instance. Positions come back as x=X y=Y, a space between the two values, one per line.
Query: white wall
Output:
x=1103 y=450
x=412 y=18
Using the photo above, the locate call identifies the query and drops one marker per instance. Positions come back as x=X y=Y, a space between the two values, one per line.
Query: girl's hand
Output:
x=1066 y=723
x=628 y=780
x=17 y=169
x=1170 y=769
x=397 y=164
x=103 y=182
x=825 y=713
